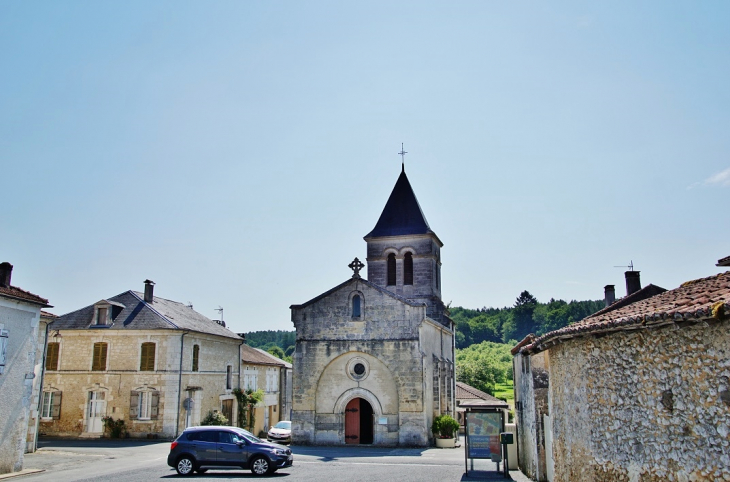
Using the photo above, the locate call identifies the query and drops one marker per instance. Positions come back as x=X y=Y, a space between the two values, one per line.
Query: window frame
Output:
x=391 y=270
x=102 y=356
x=147 y=360
x=229 y=377
x=53 y=350
x=196 y=358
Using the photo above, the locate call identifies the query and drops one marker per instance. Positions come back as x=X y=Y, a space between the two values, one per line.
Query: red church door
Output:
x=352 y=422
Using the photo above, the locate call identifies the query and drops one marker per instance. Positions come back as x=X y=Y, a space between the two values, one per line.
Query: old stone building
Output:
x=641 y=392
x=263 y=371
x=374 y=359
x=20 y=314
x=155 y=363
x=39 y=371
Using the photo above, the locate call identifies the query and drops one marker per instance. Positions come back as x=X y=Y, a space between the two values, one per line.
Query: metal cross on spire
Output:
x=402 y=154
x=356 y=266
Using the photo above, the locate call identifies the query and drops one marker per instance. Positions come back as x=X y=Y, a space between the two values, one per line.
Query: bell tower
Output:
x=403 y=253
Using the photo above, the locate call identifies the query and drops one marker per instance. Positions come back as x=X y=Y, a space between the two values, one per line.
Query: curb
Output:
x=21 y=473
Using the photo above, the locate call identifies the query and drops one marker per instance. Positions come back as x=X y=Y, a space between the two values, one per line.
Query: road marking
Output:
x=371 y=463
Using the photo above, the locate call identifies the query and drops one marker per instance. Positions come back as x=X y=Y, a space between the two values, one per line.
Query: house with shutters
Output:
x=20 y=320
x=157 y=364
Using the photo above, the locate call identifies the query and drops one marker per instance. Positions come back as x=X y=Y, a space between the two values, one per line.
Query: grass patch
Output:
x=505 y=391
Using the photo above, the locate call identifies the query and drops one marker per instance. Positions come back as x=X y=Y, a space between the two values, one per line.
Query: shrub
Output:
x=444 y=426
x=116 y=428
x=214 y=417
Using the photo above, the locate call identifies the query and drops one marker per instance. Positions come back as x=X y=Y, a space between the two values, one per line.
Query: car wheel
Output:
x=260 y=466
x=201 y=471
x=185 y=465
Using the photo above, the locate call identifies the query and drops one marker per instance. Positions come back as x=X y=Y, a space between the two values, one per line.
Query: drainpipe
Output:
x=40 y=387
x=179 y=384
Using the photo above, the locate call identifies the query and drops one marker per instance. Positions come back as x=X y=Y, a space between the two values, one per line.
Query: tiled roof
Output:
x=402 y=214
x=694 y=301
x=467 y=392
x=646 y=292
x=252 y=355
x=724 y=261
x=20 y=294
x=276 y=360
x=46 y=314
x=137 y=314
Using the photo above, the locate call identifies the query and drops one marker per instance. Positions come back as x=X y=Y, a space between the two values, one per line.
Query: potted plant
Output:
x=444 y=428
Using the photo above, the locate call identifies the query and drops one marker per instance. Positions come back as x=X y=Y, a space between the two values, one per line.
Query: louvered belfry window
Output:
x=408 y=269
x=99 y=360
x=147 y=362
x=391 y=269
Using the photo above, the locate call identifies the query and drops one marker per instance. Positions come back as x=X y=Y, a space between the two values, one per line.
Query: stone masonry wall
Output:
x=648 y=405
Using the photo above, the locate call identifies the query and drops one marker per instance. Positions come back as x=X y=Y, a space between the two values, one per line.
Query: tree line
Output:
x=512 y=324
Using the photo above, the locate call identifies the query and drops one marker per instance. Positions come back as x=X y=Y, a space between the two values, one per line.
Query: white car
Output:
x=280 y=433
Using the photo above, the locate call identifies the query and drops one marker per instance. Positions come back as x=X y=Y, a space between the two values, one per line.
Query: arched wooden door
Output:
x=352 y=422
x=358 y=422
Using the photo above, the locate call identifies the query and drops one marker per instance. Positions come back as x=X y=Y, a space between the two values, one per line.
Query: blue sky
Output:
x=237 y=152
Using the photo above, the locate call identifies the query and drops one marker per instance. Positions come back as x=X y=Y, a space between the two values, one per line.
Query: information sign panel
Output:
x=482 y=432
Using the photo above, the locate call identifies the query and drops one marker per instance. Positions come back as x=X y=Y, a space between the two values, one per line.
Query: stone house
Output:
x=155 y=363
x=262 y=370
x=641 y=392
x=20 y=315
x=374 y=359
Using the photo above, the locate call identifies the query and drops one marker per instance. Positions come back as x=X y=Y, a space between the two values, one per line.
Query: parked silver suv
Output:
x=201 y=448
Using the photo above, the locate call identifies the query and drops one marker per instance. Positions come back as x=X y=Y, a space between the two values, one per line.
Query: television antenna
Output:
x=220 y=311
x=630 y=265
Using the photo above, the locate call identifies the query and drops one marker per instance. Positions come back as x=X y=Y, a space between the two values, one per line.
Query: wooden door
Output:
x=352 y=422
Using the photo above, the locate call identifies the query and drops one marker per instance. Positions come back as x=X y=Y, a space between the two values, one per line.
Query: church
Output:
x=374 y=359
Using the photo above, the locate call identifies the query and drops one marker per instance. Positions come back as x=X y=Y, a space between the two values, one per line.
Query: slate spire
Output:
x=402 y=214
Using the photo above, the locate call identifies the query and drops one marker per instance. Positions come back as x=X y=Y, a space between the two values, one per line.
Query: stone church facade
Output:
x=374 y=359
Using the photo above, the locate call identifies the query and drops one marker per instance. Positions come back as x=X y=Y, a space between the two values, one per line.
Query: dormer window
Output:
x=102 y=316
x=105 y=312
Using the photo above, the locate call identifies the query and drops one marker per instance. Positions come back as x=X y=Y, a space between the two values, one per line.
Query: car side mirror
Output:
x=240 y=443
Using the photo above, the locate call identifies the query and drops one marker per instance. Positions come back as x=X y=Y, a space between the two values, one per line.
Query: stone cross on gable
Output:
x=356 y=266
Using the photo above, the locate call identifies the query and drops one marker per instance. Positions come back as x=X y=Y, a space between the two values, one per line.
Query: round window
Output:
x=358 y=369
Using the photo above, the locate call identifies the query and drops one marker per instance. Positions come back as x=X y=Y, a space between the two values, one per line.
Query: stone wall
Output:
x=531 y=403
x=648 y=405
x=16 y=382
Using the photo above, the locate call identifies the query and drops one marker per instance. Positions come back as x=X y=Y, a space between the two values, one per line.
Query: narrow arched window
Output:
x=356 y=306
x=391 y=269
x=408 y=269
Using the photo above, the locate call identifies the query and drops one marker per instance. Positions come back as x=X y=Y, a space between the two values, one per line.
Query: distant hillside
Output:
x=269 y=339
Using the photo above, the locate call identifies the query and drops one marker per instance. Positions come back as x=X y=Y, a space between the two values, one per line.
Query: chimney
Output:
x=149 y=288
x=6 y=269
x=633 y=282
x=609 y=294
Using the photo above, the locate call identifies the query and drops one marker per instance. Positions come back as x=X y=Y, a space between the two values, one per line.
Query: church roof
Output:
x=402 y=214
x=359 y=280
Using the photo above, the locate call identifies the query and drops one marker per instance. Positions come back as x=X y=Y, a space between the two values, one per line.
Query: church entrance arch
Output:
x=358 y=422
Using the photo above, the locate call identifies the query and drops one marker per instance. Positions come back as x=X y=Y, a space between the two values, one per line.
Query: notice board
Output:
x=482 y=434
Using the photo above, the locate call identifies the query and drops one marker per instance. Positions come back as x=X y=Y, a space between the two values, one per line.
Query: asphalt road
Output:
x=122 y=461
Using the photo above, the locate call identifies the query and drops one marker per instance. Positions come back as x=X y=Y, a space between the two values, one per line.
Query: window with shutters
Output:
x=99 y=358
x=51 y=405
x=391 y=269
x=196 y=355
x=147 y=359
x=52 y=356
x=408 y=269
x=144 y=404
x=250 y=378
